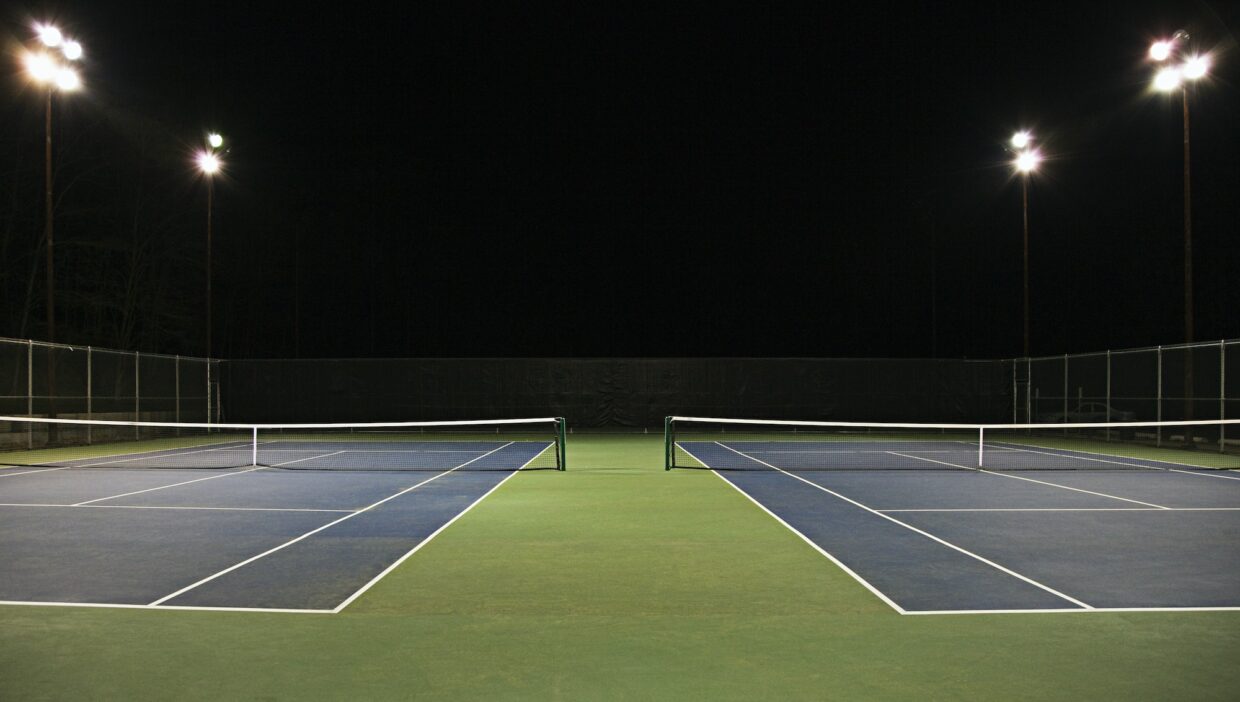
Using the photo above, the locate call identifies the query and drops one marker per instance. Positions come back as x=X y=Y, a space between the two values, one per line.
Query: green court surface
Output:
x=615 y=580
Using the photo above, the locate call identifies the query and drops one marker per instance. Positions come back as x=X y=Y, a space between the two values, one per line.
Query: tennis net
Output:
x=505 y=444
x=746 y=444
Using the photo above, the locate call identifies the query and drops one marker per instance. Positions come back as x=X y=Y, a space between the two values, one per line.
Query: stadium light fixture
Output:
x=1025 y=163
x=50 y=66
x=209 y=164
x=72 y=50
x=49 y=35
x=1181 y=68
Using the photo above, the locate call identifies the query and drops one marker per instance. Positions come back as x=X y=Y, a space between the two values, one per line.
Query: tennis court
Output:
x=612 y=580
x=286 y=518
x=949 y=523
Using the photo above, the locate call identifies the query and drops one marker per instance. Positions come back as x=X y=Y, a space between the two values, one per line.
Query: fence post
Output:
x=1065 y=391
x=1029 y=403
x=1222 y=394
x=1108 y=431
x=1158 y=400
x=29 y=392
x=89 y=393
x=176 y=366
x=137 y=393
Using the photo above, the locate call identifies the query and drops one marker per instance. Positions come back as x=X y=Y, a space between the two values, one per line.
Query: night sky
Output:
x=604 y=179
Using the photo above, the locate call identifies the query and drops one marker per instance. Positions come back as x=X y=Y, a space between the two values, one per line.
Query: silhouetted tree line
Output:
x=129 y=229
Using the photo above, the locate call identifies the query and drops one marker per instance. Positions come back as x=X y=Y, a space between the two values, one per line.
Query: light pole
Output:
x=1025 y=163
x=49 y=66
x=1179 y=68
x=46 y=68
x=209 y=164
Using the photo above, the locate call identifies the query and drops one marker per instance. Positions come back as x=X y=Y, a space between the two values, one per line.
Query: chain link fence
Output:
x=1162 y=383
x=38 y=379
x=1184 y=382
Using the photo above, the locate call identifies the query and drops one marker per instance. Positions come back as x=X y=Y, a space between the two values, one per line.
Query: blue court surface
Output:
x=240 y=538
x=932 y=541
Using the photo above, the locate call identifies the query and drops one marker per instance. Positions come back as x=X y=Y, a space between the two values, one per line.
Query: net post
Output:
x=254 y=446
x=561 y=435
x=667 y=443
x=981 y=441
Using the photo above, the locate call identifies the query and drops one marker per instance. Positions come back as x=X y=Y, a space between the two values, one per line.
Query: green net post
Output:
x=562 y=440
x=667 y=443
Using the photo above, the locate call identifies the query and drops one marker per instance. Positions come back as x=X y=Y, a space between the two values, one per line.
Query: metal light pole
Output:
x=209 y=164
x=1179 y=69
x=46 y=67
x=1026 y=162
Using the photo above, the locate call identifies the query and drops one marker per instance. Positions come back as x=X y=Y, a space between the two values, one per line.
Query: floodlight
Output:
x=1195 y=67
x=1168 y=79
x=40 y=67
x=1027 y=161
x=49 y=35
x=1021 y=139
x=215 y=140
x=1160 y=50
x=208 y=162
x=72 y=50
x=67 y=79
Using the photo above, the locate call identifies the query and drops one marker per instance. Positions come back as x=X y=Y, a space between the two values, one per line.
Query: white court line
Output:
x=417 y=547
x=914 y=529
x=1031 y=480
x=40 y=470
x=1086 y=457
x=840 y=564
x=1205 y=475
x=138 y=457
x=219 y=509
x=918 y=612
x=357 y=450
x=168 y=453
x=1065 y=509
x=286 y=544
x=199 y=480
x=1095 y=610
x=164 y=487
x=307 y=458
x=184 y=608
